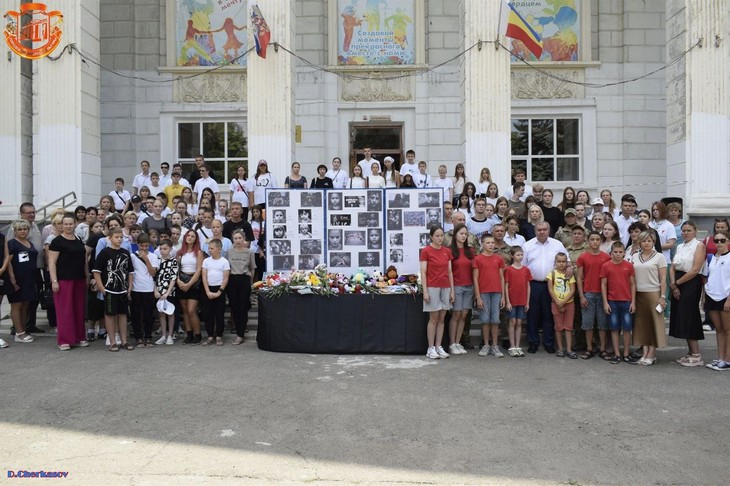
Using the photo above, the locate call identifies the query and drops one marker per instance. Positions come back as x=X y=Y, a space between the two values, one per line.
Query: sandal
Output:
x=114 y=348
x=207 y=342
x=148 y=343
x=560 y=354
x=140 y=343
x=573 y=355
x=588 y=354
x=219 y=341
x=128 y=346
x=604 y=355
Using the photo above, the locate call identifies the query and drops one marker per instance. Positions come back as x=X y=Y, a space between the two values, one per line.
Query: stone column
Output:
x=698 y=145
x=66 y=132
x=486 y=94
x=271 y=92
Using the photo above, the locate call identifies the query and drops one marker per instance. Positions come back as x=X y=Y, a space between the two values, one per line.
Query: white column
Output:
x=708 y=108
x=66 y=132
x=271 y=92
x=15 y=183
x=486 y=94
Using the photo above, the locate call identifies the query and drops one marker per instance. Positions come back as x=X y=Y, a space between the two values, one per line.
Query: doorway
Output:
x=383 y=139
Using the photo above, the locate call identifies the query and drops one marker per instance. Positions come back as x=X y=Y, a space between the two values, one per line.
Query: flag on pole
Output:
x=515 y=26
x=261 y=32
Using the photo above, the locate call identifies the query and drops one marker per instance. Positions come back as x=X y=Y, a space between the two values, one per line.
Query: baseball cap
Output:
x=136 y=199
x=570 y=211
x=628 y=198
x=597 y=201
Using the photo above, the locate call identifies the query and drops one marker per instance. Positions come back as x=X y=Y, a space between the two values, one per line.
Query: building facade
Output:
x=163 y=80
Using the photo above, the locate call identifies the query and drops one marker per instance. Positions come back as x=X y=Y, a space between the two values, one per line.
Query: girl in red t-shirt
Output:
x=517 y=299
x=461 y=265
x=438 y=289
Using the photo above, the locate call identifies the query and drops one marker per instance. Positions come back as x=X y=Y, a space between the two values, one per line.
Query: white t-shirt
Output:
x=366 y=165
x=482 y=187
x=356 y=183
x=376 y=181
x=120 y=198
x=446 y=183
x=423 y=180
x=339 y=178
x=718 y=280
x=201 y=184
x=165 y=180
x=205 y=235
x=265 y=181
x=389 y=176
x=155 y=190
x=411 y=169
x=509 y=192
x=141 y=180
x=142 y=280
x=240 y=190
x=666 y=232
x=216 y=270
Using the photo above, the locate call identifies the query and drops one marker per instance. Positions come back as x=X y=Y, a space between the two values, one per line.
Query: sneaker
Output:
x=693 y=360
x=707 y=328
x=486 y=349
x=647 y=361
x=27 y=338
x=83 y=344
x=496 y=351
x=107 y=341
x=633 y=360
x=454 y=349
x=3 y=344
x=188 y=340
x=162 y=340
x=520 y=353
x=431 y=353
x=512 y=352
x=442 y=354
x=102 y=334
x=169 y=341
x=90 y=336
x=682 y=359
x=721 y=366
x=118 y=339
x=615 y=359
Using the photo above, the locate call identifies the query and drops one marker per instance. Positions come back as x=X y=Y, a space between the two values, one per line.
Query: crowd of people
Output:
x=175 y=248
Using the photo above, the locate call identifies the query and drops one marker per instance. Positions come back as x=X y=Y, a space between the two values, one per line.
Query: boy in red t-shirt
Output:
x=589 y=290
x=488 y=274
x=618 y=287
x=517 y=299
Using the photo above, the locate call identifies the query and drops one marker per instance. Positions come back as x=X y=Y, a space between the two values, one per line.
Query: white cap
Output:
x=167 y=307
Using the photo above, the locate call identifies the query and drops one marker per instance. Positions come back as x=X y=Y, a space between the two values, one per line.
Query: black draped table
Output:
x=343 y=324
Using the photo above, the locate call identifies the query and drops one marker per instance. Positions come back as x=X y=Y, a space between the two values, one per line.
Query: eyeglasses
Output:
x=720 y=240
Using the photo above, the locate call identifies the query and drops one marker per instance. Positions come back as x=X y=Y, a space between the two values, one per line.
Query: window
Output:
x=223 y=143
x=547 y=149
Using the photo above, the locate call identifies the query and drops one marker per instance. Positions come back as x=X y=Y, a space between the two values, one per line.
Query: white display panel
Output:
x=295 y=230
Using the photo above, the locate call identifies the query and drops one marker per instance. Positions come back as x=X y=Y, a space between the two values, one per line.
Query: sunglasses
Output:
x=720 y=240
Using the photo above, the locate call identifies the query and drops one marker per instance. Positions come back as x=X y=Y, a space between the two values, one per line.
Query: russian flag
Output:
x=516 y=27
x=261 y=32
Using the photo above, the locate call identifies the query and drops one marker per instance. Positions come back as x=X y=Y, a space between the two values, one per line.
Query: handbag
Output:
x=46 y=300
x=186 y=278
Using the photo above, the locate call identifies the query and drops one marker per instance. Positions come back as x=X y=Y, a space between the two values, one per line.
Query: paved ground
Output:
x=182 y=415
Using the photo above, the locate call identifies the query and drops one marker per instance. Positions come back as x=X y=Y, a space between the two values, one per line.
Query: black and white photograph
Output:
x=396 y=256
x=375 y=201
x=279 y=231
x=340 y=220
x=375 y=239
x=429 y=200
x=396 y=239
x=368 y=220
x=305 y=215
x=395 y=220
x=354 y=201
x=399 y=200
x=369 y=259
x=354 y=238
x=308 y=262
x=340 y=260
x=414 y=218
x=283 y=263
x=334 y=201
x=311 y=199
x=433 y=218
x=280 y=247
x=311 y=247
x=424 y=239
x=278 y=216
x=334 y=239
x=278 y=199
x=305 y=231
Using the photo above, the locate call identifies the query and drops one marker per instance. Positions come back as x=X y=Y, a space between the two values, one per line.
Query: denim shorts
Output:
x=594 y=313
x=620 y=318
x=490 y=313
x=463 y=297
x=517 y=312
x=438 y=299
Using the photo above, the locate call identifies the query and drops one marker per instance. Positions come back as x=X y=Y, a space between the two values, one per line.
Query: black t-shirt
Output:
x=554 y=216
x=114 y=267
x=325 y=183
x=229 y=227
x=71 y=258
x=91 y=243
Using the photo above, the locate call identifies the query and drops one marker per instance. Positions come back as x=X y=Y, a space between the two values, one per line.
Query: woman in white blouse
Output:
x=665 y=229
x=685 y=282
x=390 y=174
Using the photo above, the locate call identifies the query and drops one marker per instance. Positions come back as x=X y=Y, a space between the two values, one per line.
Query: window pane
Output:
x=520 y=129
x=213 y=140
x=568 y=169
x=567 y=136
x=518 y=164
x=187 y=169
x=233 y=165
x=542 y=138
x=542 y=169
x=377 y=138
x=237 y=141
x=188 y=140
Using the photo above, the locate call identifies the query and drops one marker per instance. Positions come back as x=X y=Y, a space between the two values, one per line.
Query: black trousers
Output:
x=142 y=309
x=215 y=310
x=239 y=296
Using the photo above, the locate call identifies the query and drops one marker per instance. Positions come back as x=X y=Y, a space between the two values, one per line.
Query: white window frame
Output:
x=585 y=112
